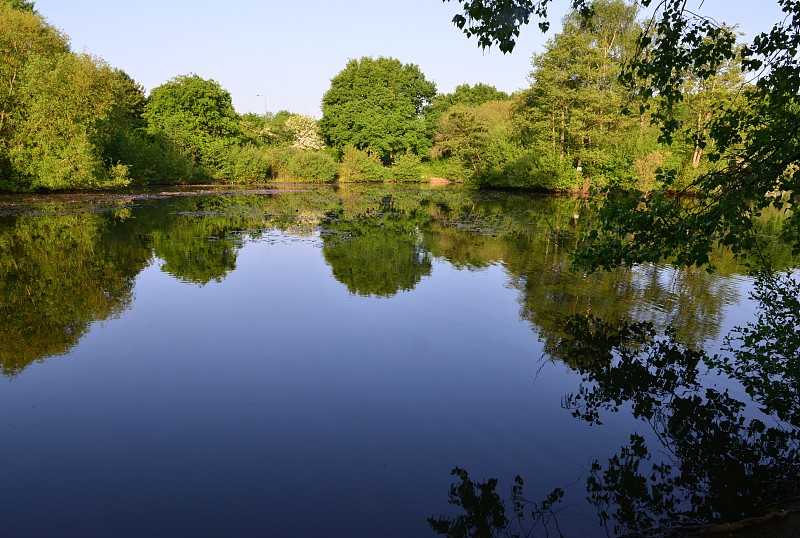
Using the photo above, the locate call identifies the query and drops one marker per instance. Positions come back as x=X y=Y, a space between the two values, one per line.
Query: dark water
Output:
x=315 y=363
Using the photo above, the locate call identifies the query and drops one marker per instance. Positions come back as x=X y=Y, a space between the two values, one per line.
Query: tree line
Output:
x=71 y=121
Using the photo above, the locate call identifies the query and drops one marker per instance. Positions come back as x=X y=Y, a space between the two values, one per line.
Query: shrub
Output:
x=153 y=159
x=359 y=165
x=313 y=166
x=246 y=164
x=534 y=170
x=450 y=168
x=407 y=168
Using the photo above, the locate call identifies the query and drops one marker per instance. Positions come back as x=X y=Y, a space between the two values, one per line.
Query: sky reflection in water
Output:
x=308 y=363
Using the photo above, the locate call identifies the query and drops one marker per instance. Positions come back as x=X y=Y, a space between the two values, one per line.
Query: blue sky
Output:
x=289 y=50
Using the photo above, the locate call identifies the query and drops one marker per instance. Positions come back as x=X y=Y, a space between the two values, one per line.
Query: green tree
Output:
x=198 y=115
x=20 y=5
x=25 y=35
x=464 y=94
x=254 y=127
x=755 y=147
x=150 y=157
x=70 y=120
x=377 y=104
x=572 y=112
x=66 y=106
x=479 y=136
x=277 y=132
x=471 y=95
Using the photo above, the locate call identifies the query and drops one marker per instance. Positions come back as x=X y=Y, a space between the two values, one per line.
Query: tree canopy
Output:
x=70 y=120
x=197 y=114
x=21 y=5
x=377 y=104
x=754 y=147
x=464 y=94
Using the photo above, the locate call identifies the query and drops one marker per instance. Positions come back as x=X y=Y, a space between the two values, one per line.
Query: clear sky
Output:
x=289 y=50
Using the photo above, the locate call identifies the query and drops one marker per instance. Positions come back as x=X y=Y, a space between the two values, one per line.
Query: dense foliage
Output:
x=733 y=146
x=642 y=109
x=198 y=115
x=71 y=121
x=377 y=105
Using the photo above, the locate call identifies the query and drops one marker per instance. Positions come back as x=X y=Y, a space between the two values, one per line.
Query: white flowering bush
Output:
x=305 y=134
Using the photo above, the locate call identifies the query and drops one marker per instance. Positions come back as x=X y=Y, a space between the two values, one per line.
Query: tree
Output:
x=25 y=36
x=377 y=104
x=464 y=94
x=755 y=147
x=198 y=115
x=477 y=135
x=150 y=157
x=498 y=22
x=70 y=120
x=572 y=110
x=64 y=124
x=20 y=5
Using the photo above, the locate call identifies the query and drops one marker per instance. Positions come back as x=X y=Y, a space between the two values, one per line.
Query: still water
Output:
x=316 y=362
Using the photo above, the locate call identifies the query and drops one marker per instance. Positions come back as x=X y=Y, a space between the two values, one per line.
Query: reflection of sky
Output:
x=277 y=400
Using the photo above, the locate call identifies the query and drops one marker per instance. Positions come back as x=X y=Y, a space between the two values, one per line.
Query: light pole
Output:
x=265 y=107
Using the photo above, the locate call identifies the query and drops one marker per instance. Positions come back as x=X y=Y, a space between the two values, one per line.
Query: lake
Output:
x=315 y=362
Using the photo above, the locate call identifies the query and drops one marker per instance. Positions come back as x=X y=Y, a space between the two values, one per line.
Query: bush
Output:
x=535 y=170
x=358 y=165
x=153 y=159
x=407 y=168
x=609 y=166
x=313 y=166
x=495 y=160
x=450 y=168
x=247 y=164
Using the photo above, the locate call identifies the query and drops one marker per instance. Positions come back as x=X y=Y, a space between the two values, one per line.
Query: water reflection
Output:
x=58 y=274
x=403 y=383
x=705 y=457
x=711 y=459
x=62 y=271
x=379 y=252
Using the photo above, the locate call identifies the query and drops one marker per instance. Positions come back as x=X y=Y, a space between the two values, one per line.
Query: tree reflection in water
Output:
x=709 y=458
x=63 y=267
x=707 y=455
x=59 y=273
x=379 y=252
